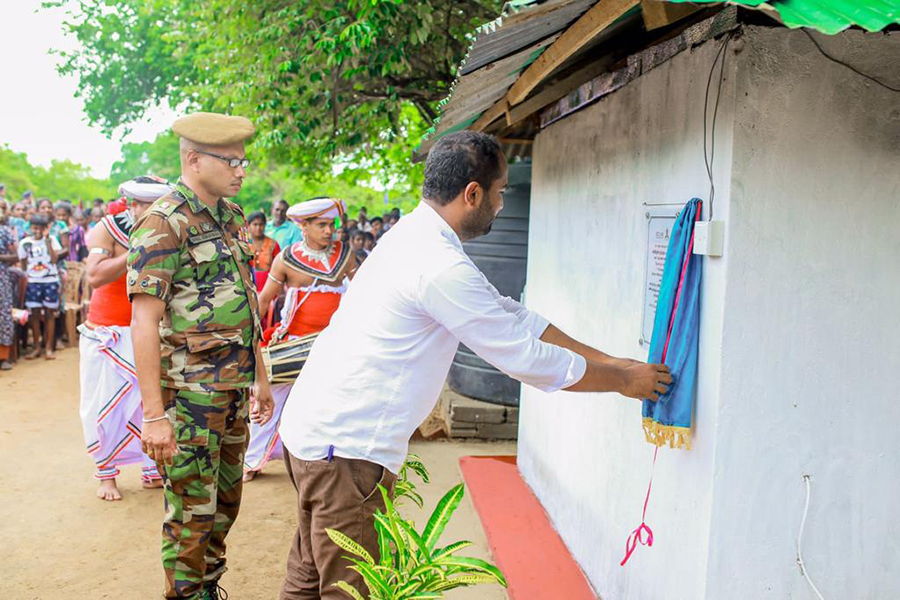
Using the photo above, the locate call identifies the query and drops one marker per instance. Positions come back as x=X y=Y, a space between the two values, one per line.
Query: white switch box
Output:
x=709 y=238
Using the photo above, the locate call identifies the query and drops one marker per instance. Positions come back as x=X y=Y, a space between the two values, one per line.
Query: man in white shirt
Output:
x=376 y=372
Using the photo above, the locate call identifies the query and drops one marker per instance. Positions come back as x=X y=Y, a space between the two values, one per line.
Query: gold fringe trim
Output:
x=660 y=435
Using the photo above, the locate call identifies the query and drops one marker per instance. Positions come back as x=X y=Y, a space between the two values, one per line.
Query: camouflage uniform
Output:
x=194 y=258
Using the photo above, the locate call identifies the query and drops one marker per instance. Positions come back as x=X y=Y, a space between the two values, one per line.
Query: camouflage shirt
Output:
x=195 y=260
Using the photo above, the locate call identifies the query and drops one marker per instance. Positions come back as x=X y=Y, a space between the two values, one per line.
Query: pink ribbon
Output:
x=637 y=536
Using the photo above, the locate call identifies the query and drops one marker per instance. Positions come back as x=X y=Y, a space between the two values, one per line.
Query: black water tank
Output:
x=502 y=256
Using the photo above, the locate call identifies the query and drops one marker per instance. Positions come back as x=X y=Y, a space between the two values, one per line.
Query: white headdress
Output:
x=317 y=208
x=146 y=188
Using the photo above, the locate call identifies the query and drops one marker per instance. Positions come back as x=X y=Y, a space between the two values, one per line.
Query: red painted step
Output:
x=524 y=545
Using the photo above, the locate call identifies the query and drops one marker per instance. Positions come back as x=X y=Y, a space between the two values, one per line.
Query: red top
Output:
x=109 y=304
x=315 y=313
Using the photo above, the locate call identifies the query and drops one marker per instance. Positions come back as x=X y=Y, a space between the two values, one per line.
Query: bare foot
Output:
x=50 y=355
x=108 y=491
x=33 y=354
x=152 y=484
x=250 y=475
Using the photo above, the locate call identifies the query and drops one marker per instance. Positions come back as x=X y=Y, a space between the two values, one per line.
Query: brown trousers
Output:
x=340 y=494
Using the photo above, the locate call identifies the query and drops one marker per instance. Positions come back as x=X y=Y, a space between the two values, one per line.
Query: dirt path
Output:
x=59 y=540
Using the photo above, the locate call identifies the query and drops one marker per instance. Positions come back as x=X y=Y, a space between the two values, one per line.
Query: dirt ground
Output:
x=59 y=540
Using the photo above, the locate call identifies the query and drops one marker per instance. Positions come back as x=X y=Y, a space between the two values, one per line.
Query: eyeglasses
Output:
x=234 y=163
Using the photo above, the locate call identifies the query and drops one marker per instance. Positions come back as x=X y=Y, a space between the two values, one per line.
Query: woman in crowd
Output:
x=265 y=249
x=8 y=258
x=77 y=246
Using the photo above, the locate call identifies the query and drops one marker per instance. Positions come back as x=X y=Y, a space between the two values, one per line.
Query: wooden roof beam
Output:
x=599 y=17
x=658 y=13
x=490 y=115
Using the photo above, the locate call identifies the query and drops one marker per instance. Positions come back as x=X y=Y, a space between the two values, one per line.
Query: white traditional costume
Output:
x=110 y=397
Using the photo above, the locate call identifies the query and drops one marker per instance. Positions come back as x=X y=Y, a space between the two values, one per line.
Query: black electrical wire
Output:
x=851 y=67
x=710 y=154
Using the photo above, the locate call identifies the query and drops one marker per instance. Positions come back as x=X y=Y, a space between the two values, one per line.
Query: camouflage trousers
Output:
x=202 y=485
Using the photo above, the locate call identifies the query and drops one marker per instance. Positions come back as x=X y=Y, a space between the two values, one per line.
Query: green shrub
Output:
x=410 y=565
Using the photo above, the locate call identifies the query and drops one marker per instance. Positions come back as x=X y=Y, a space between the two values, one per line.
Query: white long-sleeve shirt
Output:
x=376 y=372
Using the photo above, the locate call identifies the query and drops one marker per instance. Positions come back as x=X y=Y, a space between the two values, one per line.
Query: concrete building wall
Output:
x=811 y=338
x=585 y=455
x=799 y=329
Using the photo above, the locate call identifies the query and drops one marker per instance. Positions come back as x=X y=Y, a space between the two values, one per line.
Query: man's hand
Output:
x=646 y=381
x=158 y=441
x=262 y=404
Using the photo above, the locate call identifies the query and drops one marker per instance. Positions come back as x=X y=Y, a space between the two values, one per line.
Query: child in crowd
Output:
x=357 y=240
x=369 y=242
x=38 y=255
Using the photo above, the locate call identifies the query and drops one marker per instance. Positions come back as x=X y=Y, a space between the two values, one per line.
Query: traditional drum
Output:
x=285 y=360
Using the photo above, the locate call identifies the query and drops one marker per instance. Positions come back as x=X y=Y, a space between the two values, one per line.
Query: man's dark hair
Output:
x=374 y=219
x=257 y=214
x=370 y=237
x=38 y=219
x=282 y=201
x=458 y=159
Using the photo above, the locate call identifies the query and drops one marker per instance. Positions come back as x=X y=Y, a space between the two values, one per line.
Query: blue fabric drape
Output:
x=676 y=330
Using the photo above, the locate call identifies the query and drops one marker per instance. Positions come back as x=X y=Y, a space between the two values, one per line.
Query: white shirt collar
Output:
x=427 y=214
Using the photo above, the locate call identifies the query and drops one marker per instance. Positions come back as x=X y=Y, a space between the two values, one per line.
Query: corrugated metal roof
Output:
x=827 y=16
x=523 y=24
x=476 y=92
x=503 y=48
x=479 y=90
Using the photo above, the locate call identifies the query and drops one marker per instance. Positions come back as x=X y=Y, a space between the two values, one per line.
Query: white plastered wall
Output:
x=799 y=325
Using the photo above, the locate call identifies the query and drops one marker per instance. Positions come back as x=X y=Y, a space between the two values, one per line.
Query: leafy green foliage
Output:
x=354 y=81
x=62 y=180
x=409 y=564
x=266 y=182
x=404 y=486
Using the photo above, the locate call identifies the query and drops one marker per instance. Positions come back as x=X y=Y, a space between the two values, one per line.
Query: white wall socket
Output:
x=709 y=238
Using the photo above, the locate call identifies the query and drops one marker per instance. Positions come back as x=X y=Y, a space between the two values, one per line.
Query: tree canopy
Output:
x=266 y=182
x=63 y=180
x=355 y=81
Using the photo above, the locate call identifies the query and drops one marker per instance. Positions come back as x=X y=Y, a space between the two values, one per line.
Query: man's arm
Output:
x=272 y=289
x=103 y=268
x=553 y=335
x=507 y=338
x=262 y=405
x=153 y=258
x=157 y=435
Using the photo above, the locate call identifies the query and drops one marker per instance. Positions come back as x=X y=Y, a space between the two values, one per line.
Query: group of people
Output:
x=178 y=362
x=39 y=239
x=270 y=236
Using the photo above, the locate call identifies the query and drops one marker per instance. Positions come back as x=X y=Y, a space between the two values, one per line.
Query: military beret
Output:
x=213 y=129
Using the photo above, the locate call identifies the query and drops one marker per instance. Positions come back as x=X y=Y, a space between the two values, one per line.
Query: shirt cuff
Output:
x=575 y=372
x=150 y=285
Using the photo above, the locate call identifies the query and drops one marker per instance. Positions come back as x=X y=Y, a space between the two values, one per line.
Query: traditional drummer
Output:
x=314 y=274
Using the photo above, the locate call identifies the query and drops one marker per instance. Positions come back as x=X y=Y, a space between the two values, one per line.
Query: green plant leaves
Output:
x=349 y=590
x=441 y=515
x=348 y=545
x=409 y=567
